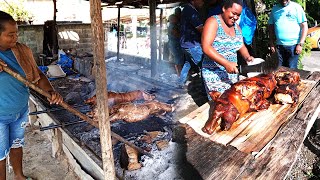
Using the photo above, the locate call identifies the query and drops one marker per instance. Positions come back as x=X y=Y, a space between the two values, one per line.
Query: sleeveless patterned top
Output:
x=225 y=45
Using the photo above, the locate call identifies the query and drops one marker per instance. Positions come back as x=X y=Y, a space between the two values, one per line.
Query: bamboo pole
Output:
x=71 y=109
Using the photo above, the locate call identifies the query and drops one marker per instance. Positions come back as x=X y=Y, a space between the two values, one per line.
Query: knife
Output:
x=260 y=68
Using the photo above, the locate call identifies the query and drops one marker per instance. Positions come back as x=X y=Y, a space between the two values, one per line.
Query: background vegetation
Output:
x=263 y=8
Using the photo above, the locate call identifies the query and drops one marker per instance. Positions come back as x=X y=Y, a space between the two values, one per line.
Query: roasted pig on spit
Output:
x=131 y=112
x=244 y=96
x=116 y=98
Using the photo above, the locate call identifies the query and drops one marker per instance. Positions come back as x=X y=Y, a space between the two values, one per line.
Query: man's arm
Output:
x=304 y=31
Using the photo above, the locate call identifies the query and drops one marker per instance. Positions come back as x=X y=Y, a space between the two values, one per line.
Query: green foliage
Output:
x=262 y=38
x=16 y=10
x=313 y=8
x=306 y=51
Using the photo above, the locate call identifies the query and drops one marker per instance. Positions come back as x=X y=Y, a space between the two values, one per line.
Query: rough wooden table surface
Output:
x=216 y=161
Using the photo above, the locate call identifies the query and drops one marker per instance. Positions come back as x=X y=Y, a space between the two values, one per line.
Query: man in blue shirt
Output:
x=288 y=23
x=14 y=94
x=191 y=29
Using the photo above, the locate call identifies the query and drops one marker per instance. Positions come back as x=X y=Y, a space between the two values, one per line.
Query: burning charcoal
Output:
x=129 y=158
x=162 y=144
x=150 y=136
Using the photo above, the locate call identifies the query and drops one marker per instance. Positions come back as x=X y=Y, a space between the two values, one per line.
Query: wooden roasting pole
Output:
x=101 y=87
x=71 y=109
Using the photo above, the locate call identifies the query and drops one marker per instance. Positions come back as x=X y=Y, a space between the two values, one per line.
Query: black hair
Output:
x=4 y=18
x=228 y=3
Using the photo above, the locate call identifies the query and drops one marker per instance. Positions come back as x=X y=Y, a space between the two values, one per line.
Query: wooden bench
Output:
x=217 y=161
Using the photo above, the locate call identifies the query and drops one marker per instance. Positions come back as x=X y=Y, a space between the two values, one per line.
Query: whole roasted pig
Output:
x=244 y=96
x=116 y=98
x=131 y=112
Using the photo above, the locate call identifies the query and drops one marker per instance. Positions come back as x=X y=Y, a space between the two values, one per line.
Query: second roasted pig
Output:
x=131 y=112
x=121 y=97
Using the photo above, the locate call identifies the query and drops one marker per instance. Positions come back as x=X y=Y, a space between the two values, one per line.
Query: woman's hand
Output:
x=249 y=59
x=2 y=63
x=56 y=98
x=231 y=67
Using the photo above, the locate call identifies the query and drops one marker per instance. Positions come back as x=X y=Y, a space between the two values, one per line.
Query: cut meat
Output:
x=286 y=77
x=287 y=90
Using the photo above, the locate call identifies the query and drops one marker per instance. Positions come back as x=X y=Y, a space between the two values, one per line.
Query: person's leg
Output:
x=196 y=54
x=3 y=169
x=17 y=129
x=178 y=57
x=184 y=72
x=280 y=53
x=16 y=162
x=4 y=143
x=293 y=57
x=186 y=67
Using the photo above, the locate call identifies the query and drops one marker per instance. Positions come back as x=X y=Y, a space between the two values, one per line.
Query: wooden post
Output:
x=160 y=36
x=153 y=36
x=118 y=33
x=102 y=96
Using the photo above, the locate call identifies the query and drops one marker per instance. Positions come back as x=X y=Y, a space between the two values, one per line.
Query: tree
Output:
x=16 y=10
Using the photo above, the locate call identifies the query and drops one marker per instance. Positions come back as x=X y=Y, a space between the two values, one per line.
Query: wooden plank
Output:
x=215 y=161
x=252 y=131
x=75 y=166
x=257 y=135
x=86 y=163
x=282 y=153
x=82 y=157
x=278 y=159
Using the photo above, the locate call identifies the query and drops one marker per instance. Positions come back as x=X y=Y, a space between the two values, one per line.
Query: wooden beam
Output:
x=118 y=33
x=160 y=36
x=101 y=87
x=153 y=36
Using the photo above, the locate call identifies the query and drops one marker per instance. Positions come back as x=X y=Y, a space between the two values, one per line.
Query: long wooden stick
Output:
x=71 y=109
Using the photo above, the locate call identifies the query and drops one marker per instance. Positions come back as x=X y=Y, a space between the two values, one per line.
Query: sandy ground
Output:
x=39 y=164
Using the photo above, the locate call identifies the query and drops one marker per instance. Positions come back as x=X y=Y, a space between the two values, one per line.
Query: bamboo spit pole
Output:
x=71 y=109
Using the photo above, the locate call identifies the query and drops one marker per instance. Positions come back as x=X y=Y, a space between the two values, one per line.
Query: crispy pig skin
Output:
x=131 y=112
x=286 y=77
x=116 y=98
x=244 y=96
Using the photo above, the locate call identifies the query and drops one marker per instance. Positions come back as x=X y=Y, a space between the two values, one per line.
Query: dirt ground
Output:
x=38 y=162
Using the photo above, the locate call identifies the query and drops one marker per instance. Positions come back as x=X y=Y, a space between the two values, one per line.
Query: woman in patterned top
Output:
x=220 y=41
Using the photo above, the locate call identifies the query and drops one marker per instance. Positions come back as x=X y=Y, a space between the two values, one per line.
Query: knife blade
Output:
x=261 y=68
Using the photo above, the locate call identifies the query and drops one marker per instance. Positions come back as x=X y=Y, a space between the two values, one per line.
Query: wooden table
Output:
x=216 y=161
